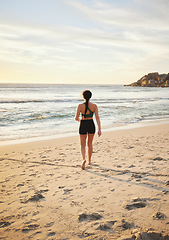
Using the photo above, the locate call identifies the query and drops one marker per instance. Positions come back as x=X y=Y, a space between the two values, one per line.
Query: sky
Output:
x=83 y=41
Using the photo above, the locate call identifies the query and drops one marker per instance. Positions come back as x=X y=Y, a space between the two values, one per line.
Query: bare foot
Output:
x=89 y=162
x=83 y=165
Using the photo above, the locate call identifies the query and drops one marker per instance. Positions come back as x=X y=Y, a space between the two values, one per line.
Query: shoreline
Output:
x=141 y=124
x=123 y=194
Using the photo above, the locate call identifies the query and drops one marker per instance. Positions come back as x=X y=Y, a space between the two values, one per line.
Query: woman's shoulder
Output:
x=93 y=106
x=81 y=105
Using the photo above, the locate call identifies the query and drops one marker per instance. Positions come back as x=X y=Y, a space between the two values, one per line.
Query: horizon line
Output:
x=1 y=83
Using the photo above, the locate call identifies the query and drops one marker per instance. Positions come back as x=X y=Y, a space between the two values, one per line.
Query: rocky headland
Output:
x=152 y=80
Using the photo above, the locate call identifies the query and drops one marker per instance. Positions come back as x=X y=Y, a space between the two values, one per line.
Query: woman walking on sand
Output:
x=87 y=126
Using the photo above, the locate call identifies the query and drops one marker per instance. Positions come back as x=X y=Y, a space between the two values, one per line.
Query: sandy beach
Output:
x=124 y=194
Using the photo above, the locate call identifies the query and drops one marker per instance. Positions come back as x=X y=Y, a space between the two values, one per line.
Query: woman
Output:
x=87 y=126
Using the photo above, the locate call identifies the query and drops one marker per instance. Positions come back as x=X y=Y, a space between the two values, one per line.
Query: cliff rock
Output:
x=152 y=80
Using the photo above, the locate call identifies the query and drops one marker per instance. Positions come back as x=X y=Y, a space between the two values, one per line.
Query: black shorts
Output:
x=87 y=126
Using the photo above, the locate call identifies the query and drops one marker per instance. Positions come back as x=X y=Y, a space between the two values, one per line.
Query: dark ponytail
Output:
x=87 y=95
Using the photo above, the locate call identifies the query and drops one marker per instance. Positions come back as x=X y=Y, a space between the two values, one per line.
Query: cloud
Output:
x=140 y=21
x=141 y=24
x=145 y=14
x=34 y=44
x=115 y=37
x=31 y=45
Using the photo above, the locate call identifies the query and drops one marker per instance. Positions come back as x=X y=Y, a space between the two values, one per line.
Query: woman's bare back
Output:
x=91 y=106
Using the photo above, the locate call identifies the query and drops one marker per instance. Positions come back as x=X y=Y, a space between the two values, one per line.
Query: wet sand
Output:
x=124 y=194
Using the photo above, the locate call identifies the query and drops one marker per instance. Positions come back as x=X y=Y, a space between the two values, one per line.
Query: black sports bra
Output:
x=89 y=115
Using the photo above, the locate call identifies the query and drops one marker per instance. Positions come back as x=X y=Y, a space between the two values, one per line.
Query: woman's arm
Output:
x=98 y=121
x=77 y=118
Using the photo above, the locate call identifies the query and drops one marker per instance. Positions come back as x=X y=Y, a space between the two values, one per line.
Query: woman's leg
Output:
x=83 y=149
x=90 y=146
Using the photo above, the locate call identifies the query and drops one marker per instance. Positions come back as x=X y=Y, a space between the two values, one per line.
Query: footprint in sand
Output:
x=106 y=226
x=136 y=203
x=49 y=224
x=51 y=234
x=167 y=183
x=125 y=225
x=36 y=197
x=86 y=217
x=159 y=215
x=150 y=235
x=4 y=223
x=158 y=159
x=30 y=227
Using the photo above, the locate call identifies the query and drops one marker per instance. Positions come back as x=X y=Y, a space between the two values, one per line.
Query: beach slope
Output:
x=124 y=194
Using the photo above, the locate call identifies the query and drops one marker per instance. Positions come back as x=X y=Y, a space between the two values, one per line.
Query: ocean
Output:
x=34 y=111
